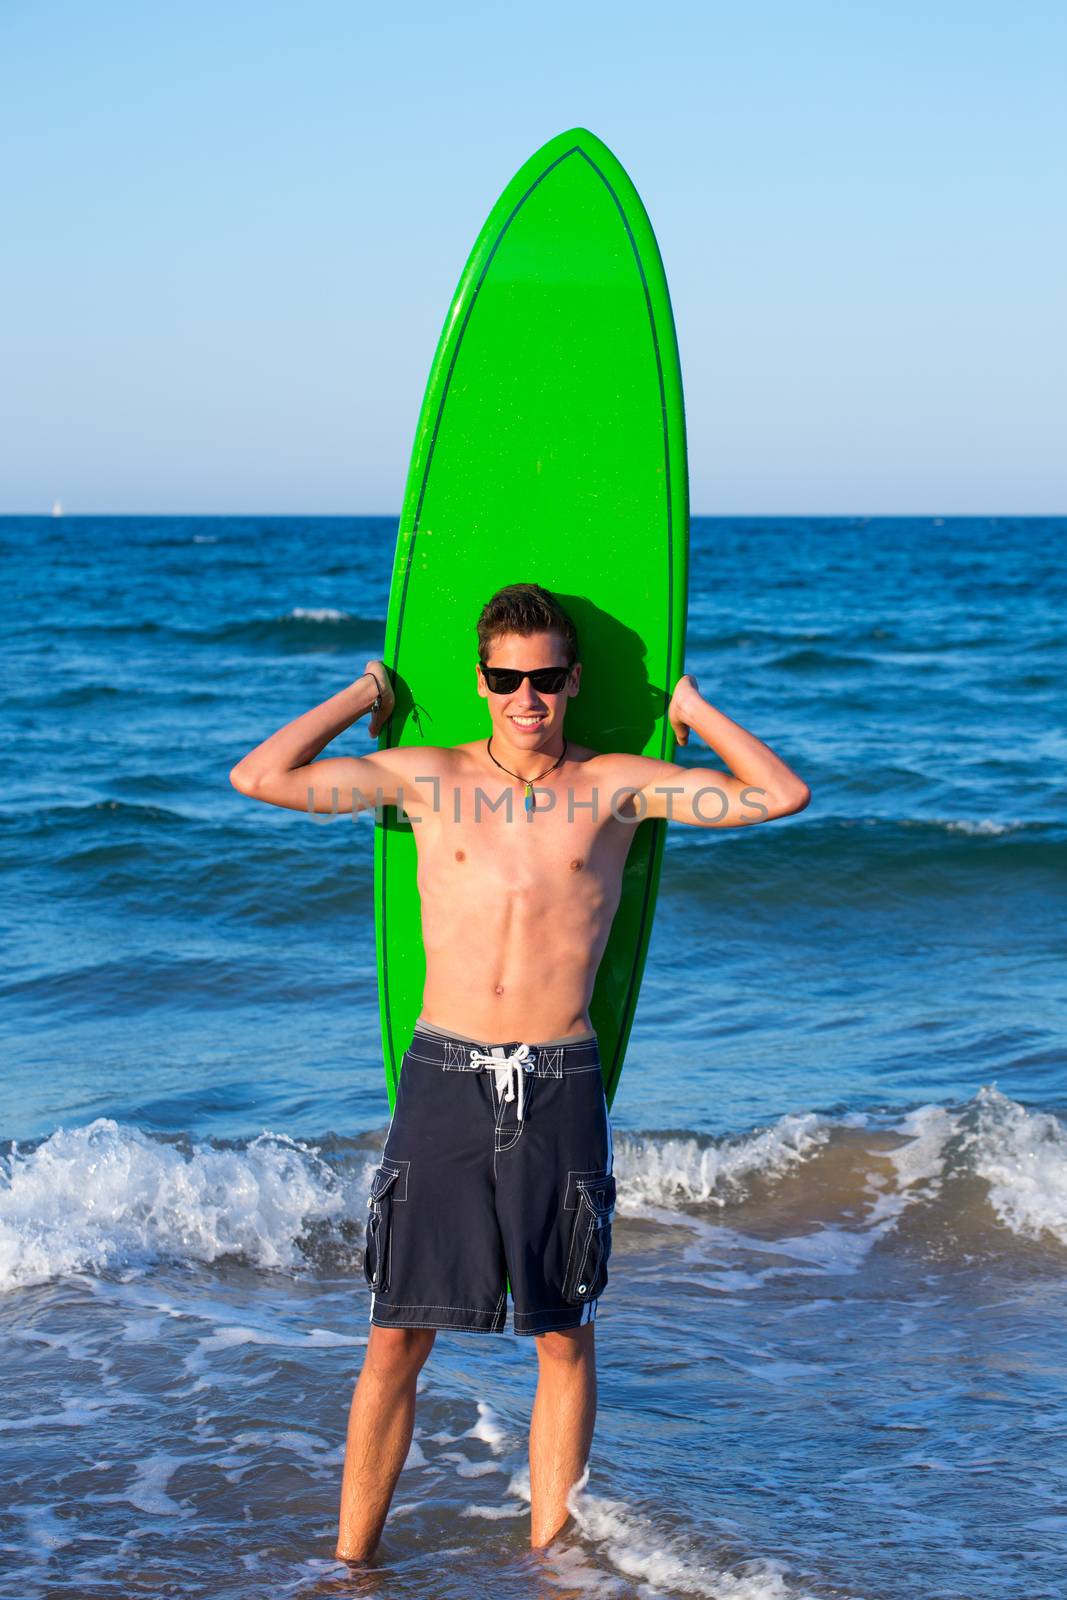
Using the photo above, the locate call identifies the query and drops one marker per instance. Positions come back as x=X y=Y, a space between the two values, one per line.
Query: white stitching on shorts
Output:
x=447 y=1327
x=533 y=1316
x=401 y=1169
x=499 y=1148
x=419 y=1305
x=431 y=1061
x=547 y=1311
x=582 y=1178
x=496 y=1135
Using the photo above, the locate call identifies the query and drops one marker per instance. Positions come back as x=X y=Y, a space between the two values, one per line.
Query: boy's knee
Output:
x=398 y=1352
x=567 y=1346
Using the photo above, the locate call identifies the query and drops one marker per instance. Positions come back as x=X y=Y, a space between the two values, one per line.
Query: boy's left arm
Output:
x=759 y=786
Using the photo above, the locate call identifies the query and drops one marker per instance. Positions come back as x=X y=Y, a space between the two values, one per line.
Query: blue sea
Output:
x=832 y=1351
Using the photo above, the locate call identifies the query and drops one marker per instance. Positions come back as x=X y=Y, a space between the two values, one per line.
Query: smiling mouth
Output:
x=533 y=721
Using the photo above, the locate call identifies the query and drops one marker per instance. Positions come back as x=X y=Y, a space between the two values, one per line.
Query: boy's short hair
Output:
x=525 y=608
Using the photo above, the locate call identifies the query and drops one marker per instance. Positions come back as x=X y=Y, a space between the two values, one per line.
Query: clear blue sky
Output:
x=231 y=232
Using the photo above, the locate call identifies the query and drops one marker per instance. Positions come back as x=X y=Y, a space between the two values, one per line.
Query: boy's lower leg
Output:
x=561 y=1427
x=380 y=1425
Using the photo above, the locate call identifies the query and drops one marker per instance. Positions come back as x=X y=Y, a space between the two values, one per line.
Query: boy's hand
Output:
x=385 y=689
x=679 y=712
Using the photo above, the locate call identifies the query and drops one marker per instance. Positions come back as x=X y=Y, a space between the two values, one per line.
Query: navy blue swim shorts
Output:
x=497 y=1167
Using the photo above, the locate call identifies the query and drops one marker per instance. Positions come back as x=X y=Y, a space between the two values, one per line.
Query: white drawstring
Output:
x=505 y=1067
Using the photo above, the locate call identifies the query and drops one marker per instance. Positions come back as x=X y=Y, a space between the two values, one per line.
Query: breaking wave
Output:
x=108 y=1196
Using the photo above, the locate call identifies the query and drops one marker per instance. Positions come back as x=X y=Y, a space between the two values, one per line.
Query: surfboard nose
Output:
x=574 y=138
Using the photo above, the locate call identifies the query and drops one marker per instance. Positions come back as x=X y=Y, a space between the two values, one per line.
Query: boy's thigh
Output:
x=434 y=1257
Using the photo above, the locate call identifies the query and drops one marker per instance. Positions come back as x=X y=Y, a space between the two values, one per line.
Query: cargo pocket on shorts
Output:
x=587 y=1264
x=379 y=1228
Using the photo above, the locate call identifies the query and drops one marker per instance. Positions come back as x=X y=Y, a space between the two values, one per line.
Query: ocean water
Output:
x=832 y=1350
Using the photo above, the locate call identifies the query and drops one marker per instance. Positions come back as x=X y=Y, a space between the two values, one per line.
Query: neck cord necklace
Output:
x=528 y=801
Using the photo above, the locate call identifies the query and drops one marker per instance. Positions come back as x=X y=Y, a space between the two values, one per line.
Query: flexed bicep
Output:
x=702 y=797
x=340 y=785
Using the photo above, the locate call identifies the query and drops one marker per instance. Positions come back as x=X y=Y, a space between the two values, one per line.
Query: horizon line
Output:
x=394 y=516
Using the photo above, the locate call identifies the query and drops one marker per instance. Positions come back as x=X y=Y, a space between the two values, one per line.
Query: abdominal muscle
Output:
x=517 y=982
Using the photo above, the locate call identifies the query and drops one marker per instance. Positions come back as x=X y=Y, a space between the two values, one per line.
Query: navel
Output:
x=498 y=988
x=577 y=864
x=461 y=855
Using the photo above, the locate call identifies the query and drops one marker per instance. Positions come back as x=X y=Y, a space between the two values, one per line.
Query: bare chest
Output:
x=486 y=838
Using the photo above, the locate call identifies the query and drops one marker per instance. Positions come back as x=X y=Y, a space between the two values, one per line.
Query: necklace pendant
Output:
x=528 y=801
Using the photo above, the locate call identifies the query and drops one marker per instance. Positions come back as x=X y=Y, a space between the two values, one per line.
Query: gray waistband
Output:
x=446 y=1033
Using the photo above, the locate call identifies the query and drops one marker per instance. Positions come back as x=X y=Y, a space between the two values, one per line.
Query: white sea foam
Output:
x=101 y=1196
x=108 y=1196
x=489 y=1428
x=477 y=1469
x=294 y=1441
x=415 y=1457
x=148 y=1491
x=972 y=826
x=45 y=1531
x=319 y=614
x=313 y=1339
x=636 y=1548
x=680 y=1171
x=918 y=1167
x=492 y=1513
x=517 y=1490
x=1022 y=1155
x=85 y=1413
x=570 y=1570
x=983 y=825
x=469 y=1469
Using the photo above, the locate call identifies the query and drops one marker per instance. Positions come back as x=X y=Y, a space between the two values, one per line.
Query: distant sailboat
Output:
x=57 y=508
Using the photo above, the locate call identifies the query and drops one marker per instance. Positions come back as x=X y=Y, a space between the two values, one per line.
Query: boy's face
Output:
x=528 y=717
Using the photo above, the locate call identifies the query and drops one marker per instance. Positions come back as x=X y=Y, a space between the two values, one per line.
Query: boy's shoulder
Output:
x=420 y=760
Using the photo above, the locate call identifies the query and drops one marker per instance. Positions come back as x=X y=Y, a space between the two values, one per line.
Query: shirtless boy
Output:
x=497 y=1163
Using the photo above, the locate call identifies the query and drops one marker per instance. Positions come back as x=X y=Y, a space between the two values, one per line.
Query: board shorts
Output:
x=497 y=1168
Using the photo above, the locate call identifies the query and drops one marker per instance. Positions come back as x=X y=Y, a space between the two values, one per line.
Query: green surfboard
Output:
x=550 y=449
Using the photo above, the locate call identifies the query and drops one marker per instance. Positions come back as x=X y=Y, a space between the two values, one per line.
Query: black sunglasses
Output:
x=505 y=680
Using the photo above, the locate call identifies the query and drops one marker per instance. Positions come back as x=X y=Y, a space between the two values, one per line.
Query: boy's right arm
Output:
x=283 y=772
